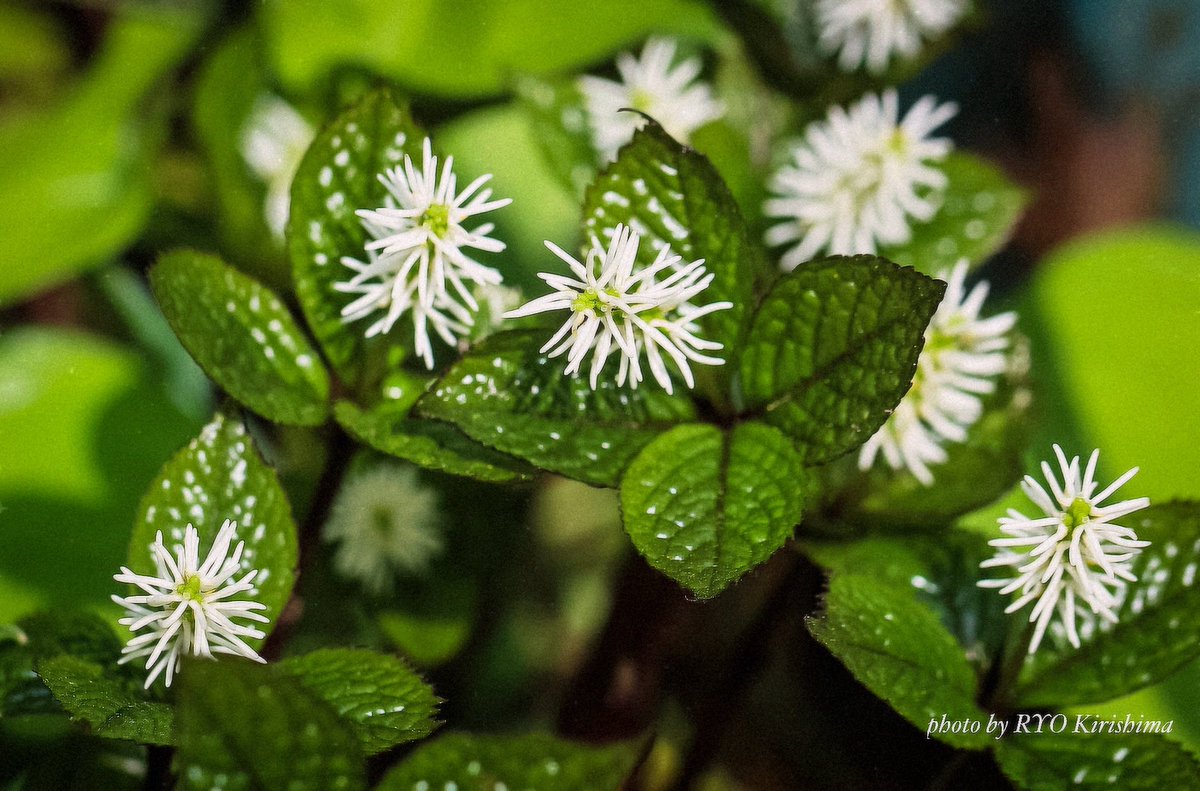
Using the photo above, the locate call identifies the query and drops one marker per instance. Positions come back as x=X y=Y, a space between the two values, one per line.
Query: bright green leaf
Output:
x=220 y=475
x=979 y=210
x=1048 y=761
x=833 y=347
x=467 y=49
x=246 y=727
x=387 y=702
x=487 y=763
x=672 y=195
x=336 y=177
x=105 y=703
x=1156 y=631
x=77 y=187
x=509 y=396
x=897 y=648
x=704 y=506
x=429 y=443
x=242 y=335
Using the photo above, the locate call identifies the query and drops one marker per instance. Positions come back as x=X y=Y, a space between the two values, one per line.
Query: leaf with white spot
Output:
x=1047 y=761
x=243 y=337
x=253 y=728
x=431 y=444
x=220 y=475
x=111 y=706
x=706 y=505
x=385 y=701
x=833 y=348
x=338 y=175
x=508 y=396
x=980 y=208
x=1156 y=633
x=897 y=648
x=463 y=762
x=672 y=195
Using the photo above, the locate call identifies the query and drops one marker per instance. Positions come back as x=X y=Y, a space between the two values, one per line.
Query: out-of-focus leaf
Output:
x=488 y=763
x=469 y=49
x=76 y=185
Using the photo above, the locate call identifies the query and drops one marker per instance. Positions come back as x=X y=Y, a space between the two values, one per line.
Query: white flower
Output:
x=188 y=606
x=872 y=32
x=962 y=356
x=1073 y=556
x=858 y=177
x=613 y=307
x=385 y=522
x=416 y=259
x=665 y=93
x=273 y=143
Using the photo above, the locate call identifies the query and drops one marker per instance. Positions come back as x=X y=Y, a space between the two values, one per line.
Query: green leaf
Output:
x=559 y=120
x=833 y=348
x=387 y=702
x=673 y=195
x=428 y=443
x=1156 y=631
x=487 y=763
x=105 y=703
x=77 y=185
x=336 y=177
x=979 y=211
x=242 y=335
x=468 y=49
x=1047 y=761
x=218 y=476
x=509 y=396
x=243 y=726
x=897 y=648
x=704 y=506
x=938 y=571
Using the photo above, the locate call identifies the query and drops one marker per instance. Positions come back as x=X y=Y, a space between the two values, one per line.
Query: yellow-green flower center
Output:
x=1077 y=513
x=191 y=588
x=641 y=100
x=437 y=219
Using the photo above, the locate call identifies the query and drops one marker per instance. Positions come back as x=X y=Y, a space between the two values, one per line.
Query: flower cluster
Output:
x=962 y=356
x=668 y=94
x=615 y=308
x=416 y=260
x=858 y=177
x=872 y=32
x=273 y=143
x=1074 y=556
x=384 y=522
x=187 y=607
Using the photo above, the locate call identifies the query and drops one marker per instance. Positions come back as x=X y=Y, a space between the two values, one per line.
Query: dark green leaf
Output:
x=243 y=337
x=833 y=348
x=488 y=763
x=54 y=632
x=672 y=195
x=509 y=396
x=218 y=476
x=897 y=648
x=106 y=703
x=387 y=702
x=1156 y=631
x=429 y=443
x=979 y=210
x=1047 y=761
x=704 y=506
x=244 y=726
x=336 y=177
